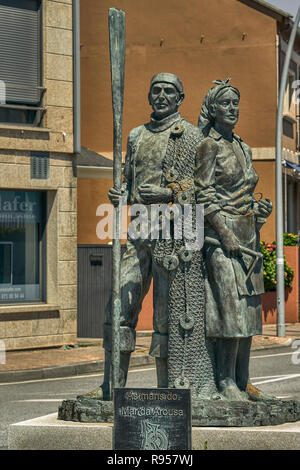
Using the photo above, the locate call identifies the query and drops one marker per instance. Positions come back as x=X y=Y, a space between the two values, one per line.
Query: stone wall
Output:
x=54 y=321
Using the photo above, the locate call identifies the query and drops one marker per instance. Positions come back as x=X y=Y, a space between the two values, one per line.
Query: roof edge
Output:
x=268 y=9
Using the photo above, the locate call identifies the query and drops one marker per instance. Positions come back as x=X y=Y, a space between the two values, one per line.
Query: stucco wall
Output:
x=266 y=186
x=199 y=41
x=92 y=192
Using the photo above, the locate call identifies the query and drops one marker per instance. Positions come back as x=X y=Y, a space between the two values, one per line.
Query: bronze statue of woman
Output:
x=225 y=181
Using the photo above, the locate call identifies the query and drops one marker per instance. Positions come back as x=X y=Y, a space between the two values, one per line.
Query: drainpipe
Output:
x=279 y=200
x=76 y=76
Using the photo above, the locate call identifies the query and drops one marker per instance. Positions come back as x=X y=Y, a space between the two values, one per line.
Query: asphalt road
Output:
x=275 y=371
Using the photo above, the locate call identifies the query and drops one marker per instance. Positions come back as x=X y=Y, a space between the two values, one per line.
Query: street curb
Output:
x=91 y=367
x=288 y=342
x=67 y=370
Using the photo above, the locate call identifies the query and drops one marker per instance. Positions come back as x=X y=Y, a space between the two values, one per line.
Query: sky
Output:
x=291 y=6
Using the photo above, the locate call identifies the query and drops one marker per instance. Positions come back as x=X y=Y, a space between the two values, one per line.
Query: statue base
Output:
x=49 y=433
x=216 y=413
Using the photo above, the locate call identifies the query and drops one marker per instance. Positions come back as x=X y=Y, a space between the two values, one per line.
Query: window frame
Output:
x=39 y=109
x=42 y=250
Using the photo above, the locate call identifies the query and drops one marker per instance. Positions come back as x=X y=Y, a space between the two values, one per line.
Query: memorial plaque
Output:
x=152 y=419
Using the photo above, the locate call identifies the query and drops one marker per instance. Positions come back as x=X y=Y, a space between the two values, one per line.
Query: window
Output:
x=21 y=231
x=289 y=107
x=20 y=62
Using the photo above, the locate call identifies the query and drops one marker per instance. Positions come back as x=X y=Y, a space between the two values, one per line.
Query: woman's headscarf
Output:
x=206 y=120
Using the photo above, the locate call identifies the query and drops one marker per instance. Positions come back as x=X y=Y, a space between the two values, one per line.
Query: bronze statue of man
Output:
x=159 y=169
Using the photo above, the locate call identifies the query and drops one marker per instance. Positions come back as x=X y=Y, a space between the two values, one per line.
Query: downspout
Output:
x=279 y=203
x=76 y=77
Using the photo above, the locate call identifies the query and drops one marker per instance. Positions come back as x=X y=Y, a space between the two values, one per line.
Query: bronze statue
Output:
x=225 y=181
x=207 y=303
x=159 y=169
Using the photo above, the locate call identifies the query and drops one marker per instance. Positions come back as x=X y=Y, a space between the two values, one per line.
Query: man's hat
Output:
x=167 y=78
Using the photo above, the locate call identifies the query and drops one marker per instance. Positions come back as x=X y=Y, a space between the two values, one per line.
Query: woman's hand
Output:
x=231 y=244
x=151 y=194
x=264 y=208
x=229 y=241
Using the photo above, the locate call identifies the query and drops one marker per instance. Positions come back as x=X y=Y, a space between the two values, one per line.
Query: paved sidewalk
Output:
x=87 y=356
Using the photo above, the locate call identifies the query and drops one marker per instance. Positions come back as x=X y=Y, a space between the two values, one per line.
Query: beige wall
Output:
x=201 y=42
x=266 y=185
x=92 y=193
x=166 y=36
x=53 y=322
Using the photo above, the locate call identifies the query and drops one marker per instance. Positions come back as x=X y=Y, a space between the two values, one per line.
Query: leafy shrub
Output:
x=289 y=239
x=269 y=267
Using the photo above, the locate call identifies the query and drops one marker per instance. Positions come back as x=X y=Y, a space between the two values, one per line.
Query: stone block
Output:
x=69 y=178
x=19 y=328
x=56 y=176
x=2 y=328
x=70 y=338
x=59 y=41
x=60 y=142
x=22 y=158
x=62 y=1
x=49 y=433
x=10 y=344
x=46 y=326
x=7 y=157
x=67 y=249
x=68 y=198
x=67 y=224
x=68 y=297
x=61 y=159
x=68 y=322
x=59 y=93
x=59 y=67
x=13 y=176
x=280 y=437
x=58 y=15
x=24 y=138
x=67 y=272
x=34 y=342
x=59 y=119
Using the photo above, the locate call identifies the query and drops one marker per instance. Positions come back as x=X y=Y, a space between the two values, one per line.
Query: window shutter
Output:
x=20 y=50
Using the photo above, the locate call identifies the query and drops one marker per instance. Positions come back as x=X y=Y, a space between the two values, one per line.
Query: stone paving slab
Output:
x=48 y=433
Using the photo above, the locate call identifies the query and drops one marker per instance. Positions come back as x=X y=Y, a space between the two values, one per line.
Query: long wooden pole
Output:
x=116 y=21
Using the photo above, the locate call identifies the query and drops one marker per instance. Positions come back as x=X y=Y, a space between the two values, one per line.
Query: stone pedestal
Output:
x=204 y=412
x=49 y=433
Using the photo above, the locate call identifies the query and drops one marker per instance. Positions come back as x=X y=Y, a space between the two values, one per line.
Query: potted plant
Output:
x=290 y=272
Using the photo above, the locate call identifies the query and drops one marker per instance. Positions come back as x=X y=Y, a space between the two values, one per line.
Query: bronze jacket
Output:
x=224 y=182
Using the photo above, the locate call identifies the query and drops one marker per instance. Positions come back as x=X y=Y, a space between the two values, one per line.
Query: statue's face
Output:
x=164 y=99
x=226 y=109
